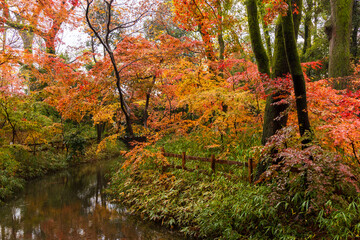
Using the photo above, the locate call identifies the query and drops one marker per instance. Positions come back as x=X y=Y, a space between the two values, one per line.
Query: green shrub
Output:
x=75 y=144
x=9 y=182
x=312 y=186
x=307 y=193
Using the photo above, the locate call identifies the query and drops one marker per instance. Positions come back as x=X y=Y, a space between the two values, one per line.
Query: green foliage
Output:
x=18 y=165
x=203 y=206
x=8 y=167
x=303 y=199
x=311 y=186
x=32 y=166
x=75 y=144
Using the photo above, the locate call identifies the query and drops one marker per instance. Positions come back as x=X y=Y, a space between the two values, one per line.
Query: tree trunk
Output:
x=275 y=116
x=221 y=46
x=286 y=60
x=100 y=128
x=307 y=30
x=262 y=58
x=339 y=35
x=297 y=74
x=50 y=45
x=356 y=24
x=147 y=103
x=27 y=38
x=220 y=32
x=105 y=43
x=209 y=50
x=267 y=41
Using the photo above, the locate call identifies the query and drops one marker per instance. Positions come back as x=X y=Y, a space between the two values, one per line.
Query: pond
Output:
x=72 y=205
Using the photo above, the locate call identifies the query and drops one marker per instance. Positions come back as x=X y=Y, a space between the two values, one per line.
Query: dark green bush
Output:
x=75 y=144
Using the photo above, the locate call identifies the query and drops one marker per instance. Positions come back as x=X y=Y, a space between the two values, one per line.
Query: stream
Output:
x=71 y=205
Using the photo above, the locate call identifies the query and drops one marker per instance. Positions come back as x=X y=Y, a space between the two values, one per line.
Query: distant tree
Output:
x=43 y=18
x=338 y=30
x=354 y=48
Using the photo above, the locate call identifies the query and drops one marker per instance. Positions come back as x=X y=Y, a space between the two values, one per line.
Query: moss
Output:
x=339 y=56
x=262 y=58
x=296 y=73
x=280 y=68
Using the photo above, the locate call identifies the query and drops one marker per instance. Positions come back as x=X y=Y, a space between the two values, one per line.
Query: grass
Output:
x=210 y=206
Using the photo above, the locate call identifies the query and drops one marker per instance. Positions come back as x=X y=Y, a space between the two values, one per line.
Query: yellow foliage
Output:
x=104 y=143
x=106 y=113
x=35 y=137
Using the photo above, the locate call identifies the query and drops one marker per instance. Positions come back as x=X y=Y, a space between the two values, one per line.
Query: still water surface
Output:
x=71 y=205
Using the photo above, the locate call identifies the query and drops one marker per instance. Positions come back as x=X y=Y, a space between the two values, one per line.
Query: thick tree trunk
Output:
x=267 y=41
x=275 y=116
x=262 y=58
x=50 y=45
x=297 y=74
x=286 y=59
x=356 y=24
x=221 y=46
x=209 y=50
x=339 y=34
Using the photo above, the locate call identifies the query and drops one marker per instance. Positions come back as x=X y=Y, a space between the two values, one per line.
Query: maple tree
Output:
x=212 y=19
x=42 y=18
x=104 y=40
x=153 y=72
x=152 y=81
x=275 y=118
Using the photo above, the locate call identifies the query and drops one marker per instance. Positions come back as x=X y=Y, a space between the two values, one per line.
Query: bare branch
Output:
x=87 y=11
x=108 y=21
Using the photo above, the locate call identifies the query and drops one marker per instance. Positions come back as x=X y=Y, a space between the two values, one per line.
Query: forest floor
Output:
x=214 y=206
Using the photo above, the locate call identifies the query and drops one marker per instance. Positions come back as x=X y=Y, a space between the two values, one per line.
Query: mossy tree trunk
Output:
x=262 y=58
x=297 y=74
x=266 y=30
x=100 y=129
x=275 y=116
x=339 y=35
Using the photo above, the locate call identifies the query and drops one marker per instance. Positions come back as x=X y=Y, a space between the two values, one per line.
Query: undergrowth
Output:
x=307 y=193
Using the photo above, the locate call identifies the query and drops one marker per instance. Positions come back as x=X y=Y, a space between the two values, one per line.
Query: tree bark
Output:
x=100 y=128
x=307 y=30
x=262 y=58
x=267 y=40
x=297 y=74
x=220 y=32
x=275 y=117
x=339 y=35
x=286 y=60
x=356 y=24
x=147 y=103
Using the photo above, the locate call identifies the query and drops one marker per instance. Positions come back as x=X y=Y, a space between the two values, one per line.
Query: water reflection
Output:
x=71 y=205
